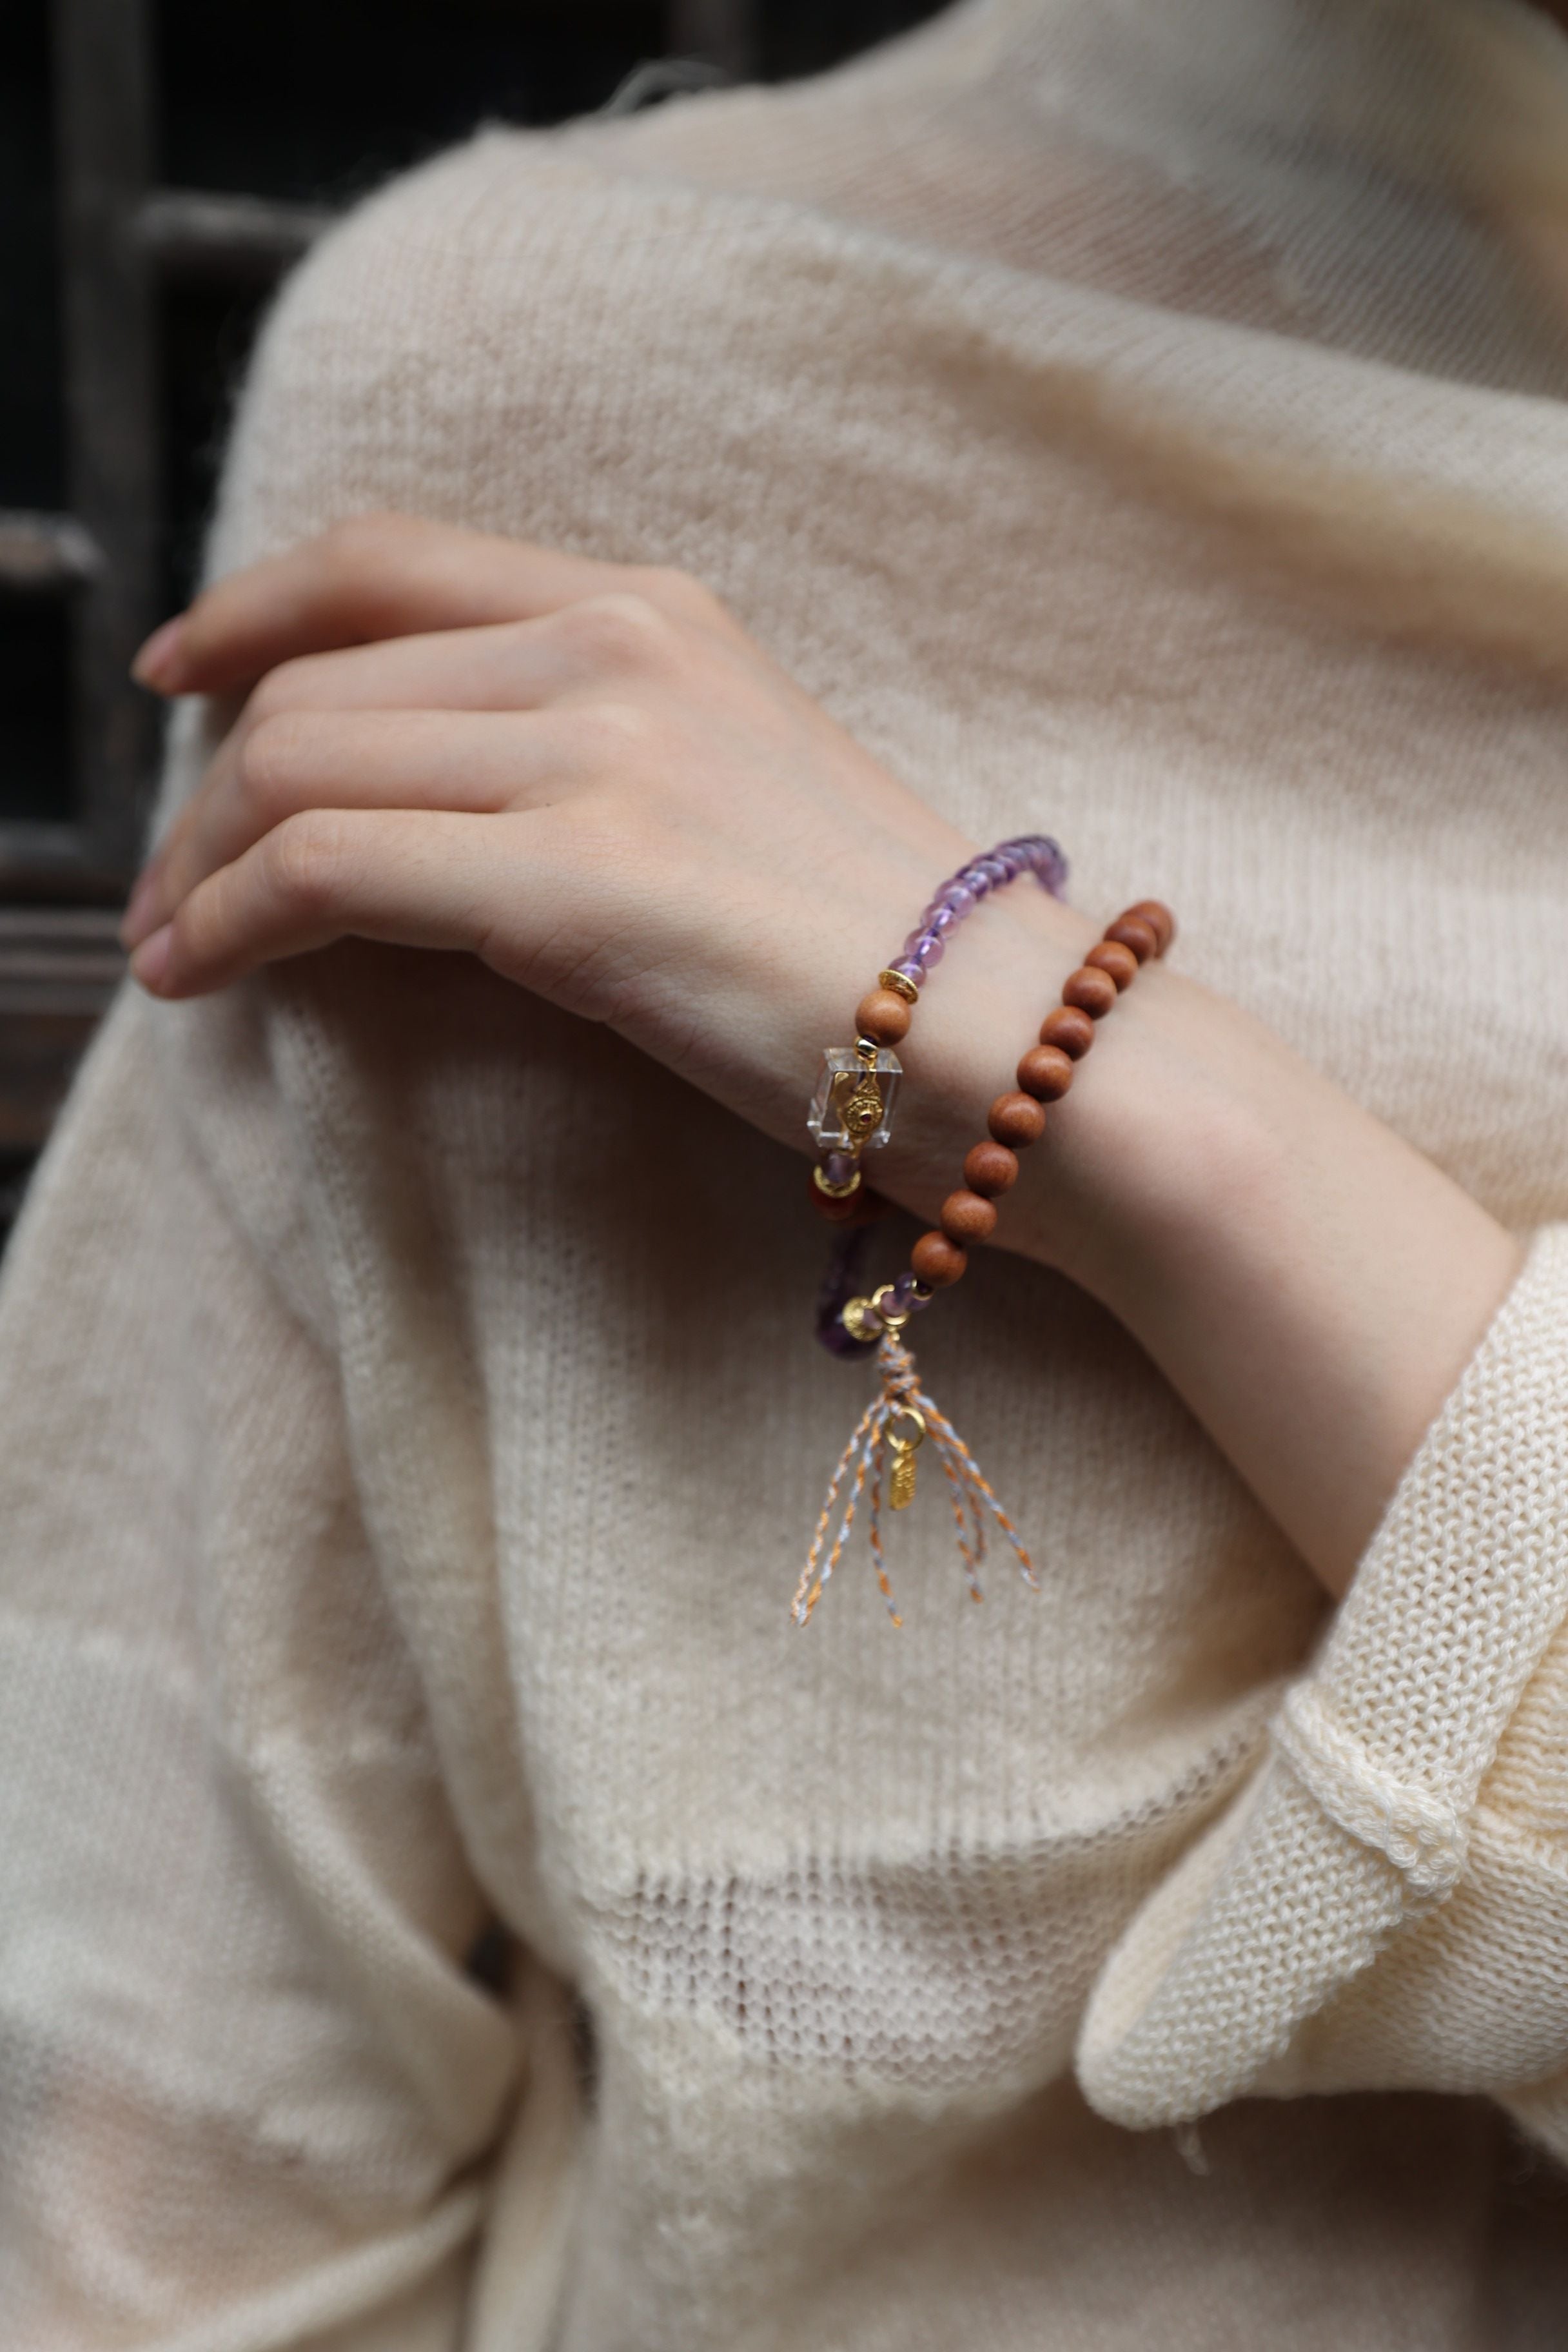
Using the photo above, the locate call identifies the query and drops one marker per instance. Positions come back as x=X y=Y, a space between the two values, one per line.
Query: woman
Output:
x=1143 y=424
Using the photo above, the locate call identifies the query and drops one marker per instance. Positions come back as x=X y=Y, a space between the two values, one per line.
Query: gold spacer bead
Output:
x=901 y=985
x=867 y=1050
x=834 y=1191
x=854 y=1321
x=893 y=1317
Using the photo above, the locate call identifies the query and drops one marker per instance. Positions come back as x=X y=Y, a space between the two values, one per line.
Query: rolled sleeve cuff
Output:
x=1368 y=1813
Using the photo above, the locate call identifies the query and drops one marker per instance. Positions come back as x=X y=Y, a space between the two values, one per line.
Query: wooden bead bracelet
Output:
x=850 y=1113
x=1017 y=1117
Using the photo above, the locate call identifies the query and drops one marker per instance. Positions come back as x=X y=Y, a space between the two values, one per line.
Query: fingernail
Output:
x=156 y=663
x=136 y=922
x=150 y=964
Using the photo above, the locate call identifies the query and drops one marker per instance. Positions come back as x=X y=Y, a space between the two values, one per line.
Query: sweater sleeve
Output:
x=1386 y=1905
x=246 y=2085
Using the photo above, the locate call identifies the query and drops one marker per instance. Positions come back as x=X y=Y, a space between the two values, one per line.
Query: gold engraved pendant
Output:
x=852 y=1108
x=904 y=1442
x=861 y=1107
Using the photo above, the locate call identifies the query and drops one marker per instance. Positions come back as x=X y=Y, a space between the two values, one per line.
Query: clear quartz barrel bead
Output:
x=852 y=1109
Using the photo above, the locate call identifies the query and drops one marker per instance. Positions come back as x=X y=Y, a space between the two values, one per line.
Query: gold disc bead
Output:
x=900 y=983
x=894 y=1316
x=862 y=1320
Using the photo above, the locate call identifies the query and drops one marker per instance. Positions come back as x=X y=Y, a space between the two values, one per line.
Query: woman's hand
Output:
x=587 y=774
x=590 y=776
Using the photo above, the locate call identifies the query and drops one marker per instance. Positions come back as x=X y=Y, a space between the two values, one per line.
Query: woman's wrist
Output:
x=1310 y=1283
x=1307 y=1280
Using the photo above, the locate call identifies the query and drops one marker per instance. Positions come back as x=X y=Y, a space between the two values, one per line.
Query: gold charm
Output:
x=862 y=1109
x=904 y=1442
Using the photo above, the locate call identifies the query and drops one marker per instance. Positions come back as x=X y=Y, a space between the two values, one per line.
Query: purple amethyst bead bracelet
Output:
x=852 y=1108
x=1032 y=853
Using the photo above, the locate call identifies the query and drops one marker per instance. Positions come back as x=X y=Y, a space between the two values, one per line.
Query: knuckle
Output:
x=677 y=593
x=303 y=860
x=619 y=736
x=363 y=542
x=621 y=631
x=269 y=763
x=280 y=689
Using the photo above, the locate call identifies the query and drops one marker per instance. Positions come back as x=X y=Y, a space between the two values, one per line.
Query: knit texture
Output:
x=1141 y=423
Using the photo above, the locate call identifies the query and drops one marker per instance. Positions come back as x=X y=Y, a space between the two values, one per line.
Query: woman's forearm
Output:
x=1310 y=1283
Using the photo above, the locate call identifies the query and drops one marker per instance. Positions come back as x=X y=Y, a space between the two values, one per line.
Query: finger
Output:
x=383 y=576
x=498 y=665
x=414 y=877
x=375 y=576
x=474 y=762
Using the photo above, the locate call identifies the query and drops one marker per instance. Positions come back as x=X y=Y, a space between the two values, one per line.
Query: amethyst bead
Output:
x=1027 y=853
x=838 y=1168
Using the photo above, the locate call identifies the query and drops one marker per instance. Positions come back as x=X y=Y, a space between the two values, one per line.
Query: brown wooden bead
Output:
x=882 y=1016
x=1016 y=1120
x=1045 y=1072
x=1133 y=932
x=968 y=1217
x=1119 y=961
x=936 y=1261
x=1092 y=991
x=990 y=1168
x=1159 y=918
x=1070 y=1031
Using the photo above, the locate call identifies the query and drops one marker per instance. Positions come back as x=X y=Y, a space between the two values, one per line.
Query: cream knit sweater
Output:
x=1140 y=420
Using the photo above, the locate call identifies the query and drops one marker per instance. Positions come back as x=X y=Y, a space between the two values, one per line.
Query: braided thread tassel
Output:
x=861 y=1471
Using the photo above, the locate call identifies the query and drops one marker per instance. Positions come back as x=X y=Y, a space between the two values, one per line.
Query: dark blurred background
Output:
x=162 y=161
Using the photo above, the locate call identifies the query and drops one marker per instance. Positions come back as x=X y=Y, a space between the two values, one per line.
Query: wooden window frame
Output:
x=122 y=239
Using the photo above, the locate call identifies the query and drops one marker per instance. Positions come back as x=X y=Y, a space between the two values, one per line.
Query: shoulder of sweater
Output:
x=559 y=246
x=748 y=155
x=512 y=217
x=503 y=187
